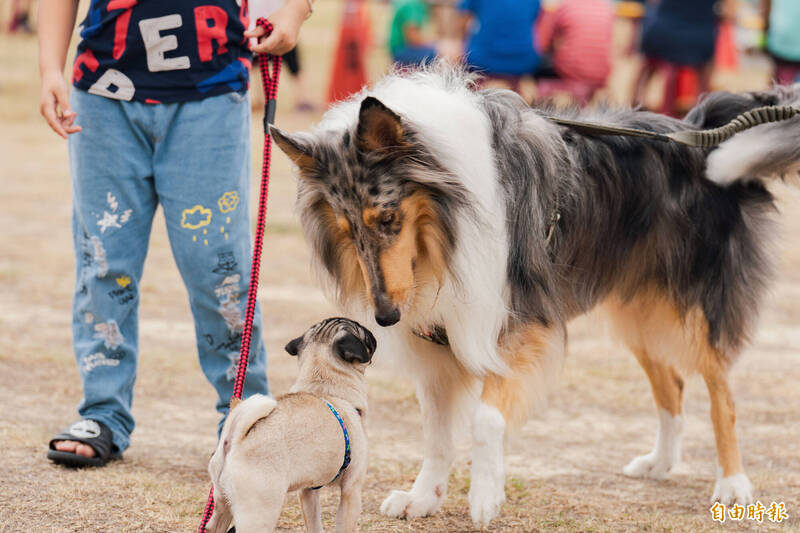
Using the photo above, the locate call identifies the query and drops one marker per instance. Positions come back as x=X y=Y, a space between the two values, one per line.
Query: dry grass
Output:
x=563 y=468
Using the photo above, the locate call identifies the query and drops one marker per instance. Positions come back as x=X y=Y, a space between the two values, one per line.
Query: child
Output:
x=783 y=38
x=500 y=44
x=577 y=35
x=159 y=114
x=407 y=45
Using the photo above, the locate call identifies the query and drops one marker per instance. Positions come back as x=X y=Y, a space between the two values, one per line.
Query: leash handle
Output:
x=745 y=121
x=269 y=79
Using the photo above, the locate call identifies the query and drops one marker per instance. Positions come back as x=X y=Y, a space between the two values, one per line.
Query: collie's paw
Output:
x=485 y=500
x=652 y=465
x=402 y=504
x=733 y=489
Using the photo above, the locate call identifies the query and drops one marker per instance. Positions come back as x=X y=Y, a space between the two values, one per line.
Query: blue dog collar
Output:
x=346 y=444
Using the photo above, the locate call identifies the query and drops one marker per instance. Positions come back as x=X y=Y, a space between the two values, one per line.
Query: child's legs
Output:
x=113 y=205
x=202 y=169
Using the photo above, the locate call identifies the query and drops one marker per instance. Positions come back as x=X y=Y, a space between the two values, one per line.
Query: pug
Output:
x=312 y=437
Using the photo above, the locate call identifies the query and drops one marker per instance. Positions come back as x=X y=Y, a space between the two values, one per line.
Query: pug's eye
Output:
x=387 y=221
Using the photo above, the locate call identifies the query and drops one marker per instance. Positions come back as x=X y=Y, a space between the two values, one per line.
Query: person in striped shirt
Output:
x=575 y=39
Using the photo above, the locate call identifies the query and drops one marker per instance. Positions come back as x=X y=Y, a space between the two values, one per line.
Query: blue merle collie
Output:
x=473 y=229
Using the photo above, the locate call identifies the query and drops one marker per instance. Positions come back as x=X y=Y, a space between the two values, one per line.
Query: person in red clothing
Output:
x=576 y=40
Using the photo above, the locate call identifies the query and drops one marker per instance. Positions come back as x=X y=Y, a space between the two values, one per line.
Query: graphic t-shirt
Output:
x=158 y=51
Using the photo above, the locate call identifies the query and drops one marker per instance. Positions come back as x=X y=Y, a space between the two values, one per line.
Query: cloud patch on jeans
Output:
x=195 y=217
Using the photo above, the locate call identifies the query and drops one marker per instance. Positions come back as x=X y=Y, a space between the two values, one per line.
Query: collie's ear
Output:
x=294 y=346
x=298 y=149
x=378 y=126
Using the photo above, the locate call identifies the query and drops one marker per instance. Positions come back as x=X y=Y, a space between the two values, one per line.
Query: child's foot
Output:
x=84 y=443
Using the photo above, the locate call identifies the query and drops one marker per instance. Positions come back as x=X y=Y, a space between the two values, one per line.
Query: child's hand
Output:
x=286 y=24
x=54 y=104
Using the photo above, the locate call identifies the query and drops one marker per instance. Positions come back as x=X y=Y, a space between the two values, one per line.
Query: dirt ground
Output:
x=564 y=468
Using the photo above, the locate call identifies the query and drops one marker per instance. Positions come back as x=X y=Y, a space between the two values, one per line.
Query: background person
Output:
x=575 y=42
x=407 y=43
x=20 y=16
x=680 y=34
x=782 y=19
x=500 y=38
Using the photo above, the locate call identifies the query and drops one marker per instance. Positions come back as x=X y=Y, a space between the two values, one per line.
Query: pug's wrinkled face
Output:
x=346 y=339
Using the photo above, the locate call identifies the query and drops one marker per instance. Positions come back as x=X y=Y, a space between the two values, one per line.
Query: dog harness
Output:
x=437 y=334
x=346 y=444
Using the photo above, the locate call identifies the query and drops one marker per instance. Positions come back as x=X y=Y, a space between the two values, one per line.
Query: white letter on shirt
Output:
x=157 y=46
x=113 y=77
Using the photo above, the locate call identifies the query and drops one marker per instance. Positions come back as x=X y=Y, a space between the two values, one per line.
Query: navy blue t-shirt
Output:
x=681 y=31
x=158 y=51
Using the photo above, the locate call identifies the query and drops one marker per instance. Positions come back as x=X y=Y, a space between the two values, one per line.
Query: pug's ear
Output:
x=294 y=346
x=378 y=126
x=295 y=146
x=351 y=349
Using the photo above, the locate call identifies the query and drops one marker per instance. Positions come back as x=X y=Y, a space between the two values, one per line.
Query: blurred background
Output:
x=563 y=466
x=660 y=54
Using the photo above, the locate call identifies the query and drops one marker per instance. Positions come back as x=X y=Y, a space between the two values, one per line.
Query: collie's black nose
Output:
x=388 y=318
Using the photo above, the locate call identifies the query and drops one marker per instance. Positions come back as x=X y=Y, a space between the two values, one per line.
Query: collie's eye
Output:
x=387 y=221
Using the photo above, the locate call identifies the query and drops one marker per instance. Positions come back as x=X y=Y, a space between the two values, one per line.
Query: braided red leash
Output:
x=270 y=81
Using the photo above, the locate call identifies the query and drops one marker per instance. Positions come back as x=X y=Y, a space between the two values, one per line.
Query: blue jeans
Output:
x=194 y=159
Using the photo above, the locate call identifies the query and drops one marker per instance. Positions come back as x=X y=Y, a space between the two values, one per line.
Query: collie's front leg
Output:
x=534 y=354
x=487 y=477
x=439 y=394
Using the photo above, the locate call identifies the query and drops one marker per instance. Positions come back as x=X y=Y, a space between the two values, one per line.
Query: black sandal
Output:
x=89 y=432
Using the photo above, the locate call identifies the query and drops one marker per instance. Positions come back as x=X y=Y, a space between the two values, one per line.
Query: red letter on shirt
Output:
x=206 y=34
x=86 y=58
x=121 y=26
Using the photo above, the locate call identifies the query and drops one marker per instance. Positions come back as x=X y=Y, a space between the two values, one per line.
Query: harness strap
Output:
x=346 y=444
x=436 y=334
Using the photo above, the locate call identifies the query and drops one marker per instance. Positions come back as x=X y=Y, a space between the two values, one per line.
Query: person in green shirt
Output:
x=783 y=38
x=407 y=45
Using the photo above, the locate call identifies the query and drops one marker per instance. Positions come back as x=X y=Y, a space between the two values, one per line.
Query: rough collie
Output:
x=472 y=229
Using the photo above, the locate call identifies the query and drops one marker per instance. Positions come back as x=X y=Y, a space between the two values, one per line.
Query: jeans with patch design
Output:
x=193 y=158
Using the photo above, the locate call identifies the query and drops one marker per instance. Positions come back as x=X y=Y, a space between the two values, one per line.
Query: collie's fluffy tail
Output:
x=766 y=151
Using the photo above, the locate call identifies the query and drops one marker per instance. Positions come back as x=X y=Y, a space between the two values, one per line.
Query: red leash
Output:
x=270 y=81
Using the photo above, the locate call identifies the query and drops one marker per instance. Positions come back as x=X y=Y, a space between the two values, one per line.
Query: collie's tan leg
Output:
x=732 y=484
x=534 y=354
x=667 y=388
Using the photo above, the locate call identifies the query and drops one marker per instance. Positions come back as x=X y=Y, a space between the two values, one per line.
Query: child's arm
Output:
x=56 y=21
x=286 y=24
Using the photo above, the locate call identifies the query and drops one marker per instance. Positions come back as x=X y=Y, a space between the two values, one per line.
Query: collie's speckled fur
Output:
x=428 y=204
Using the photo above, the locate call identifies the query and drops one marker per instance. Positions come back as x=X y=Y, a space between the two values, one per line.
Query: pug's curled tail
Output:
x=243 y=417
